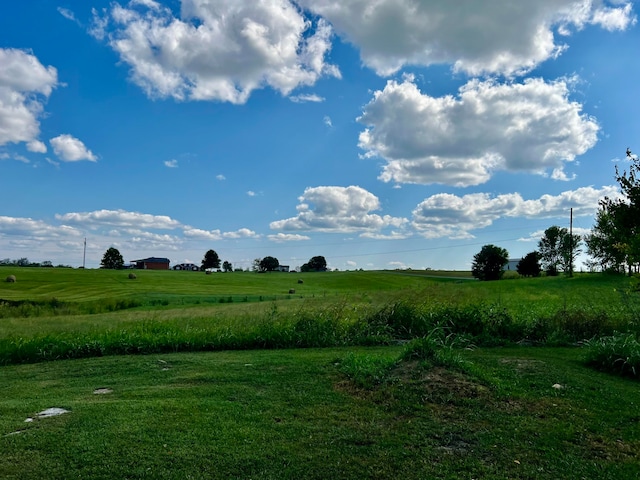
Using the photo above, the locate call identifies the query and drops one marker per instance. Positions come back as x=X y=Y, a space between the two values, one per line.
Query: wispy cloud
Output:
x=68 y=14
x=288 y=237
x=308 y=97
x=171 y=163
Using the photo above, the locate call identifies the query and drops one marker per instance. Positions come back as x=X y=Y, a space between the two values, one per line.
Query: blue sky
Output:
x=380 y=135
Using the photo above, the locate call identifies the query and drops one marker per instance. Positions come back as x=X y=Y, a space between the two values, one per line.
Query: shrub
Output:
x=617 y=353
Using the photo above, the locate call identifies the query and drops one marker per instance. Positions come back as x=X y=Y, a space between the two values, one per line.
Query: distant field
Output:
x=90 y=285
x=71 y=285
x=90 y=302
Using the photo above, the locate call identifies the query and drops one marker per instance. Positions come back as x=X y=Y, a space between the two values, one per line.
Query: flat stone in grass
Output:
x=49 y=412
x=102 y=391
x=52 y=412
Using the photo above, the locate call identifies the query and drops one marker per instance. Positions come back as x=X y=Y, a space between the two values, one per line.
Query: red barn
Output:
x=152 y=263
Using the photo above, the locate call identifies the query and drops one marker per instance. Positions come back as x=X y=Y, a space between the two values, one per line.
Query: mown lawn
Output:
x=293 y=414
x=73 y=285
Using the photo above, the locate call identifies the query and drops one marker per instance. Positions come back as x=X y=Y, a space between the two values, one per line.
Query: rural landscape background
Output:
x=407 y=233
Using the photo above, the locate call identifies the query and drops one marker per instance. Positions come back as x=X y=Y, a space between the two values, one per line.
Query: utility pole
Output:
x=571 y=245
x=84 y=254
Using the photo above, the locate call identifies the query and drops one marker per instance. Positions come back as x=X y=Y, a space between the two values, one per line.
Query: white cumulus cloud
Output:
x=70 y=149
x=491 y=36
x=218 y=49
x=36 y=146
x=448 y=215
x=338 y=209
x=35 y=229
x=530 y=126
x=25 y=84
x=119 y=218
x=615 y=18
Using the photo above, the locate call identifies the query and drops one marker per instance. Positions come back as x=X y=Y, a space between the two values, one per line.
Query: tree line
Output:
x=613 y=244
x=112 y=259
x=24 y=262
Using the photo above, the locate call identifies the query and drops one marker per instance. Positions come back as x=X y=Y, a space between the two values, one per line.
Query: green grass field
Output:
x=227 y=380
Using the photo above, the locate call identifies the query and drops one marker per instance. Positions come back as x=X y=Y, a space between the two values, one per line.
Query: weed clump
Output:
x=435 y=349
x=366 y=371
x=618 y=353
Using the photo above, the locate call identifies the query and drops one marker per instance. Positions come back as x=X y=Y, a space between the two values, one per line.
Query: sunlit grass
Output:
x=304 y=414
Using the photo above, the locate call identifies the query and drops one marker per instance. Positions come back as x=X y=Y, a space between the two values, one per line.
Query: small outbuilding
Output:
x=152 y=263
x=512 y=265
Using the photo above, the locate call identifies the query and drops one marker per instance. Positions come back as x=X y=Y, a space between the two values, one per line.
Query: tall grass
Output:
x=73 y=314
x=336 y=325
x=618 y=353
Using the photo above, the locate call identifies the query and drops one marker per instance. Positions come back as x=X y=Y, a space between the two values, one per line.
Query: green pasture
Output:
x=381 y=374
x=96 y=285
x=64 y=313
x=170 y=288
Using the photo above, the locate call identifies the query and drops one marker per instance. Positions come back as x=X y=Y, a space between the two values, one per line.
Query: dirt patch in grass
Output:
x=412 y=380
x=616 y=451
x=440 y=384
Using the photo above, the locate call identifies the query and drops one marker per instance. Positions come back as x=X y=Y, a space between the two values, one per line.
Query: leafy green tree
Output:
x=558 y=249
x=549 y=248
x=316 y=264
x=269 y=264
x=488 y=264
x=227 y=267
x=112 y=259
x=570 y=248
x=605 y=241
x=529 y=265
x=614 y=241
x=255 y=265
x=211 y=260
